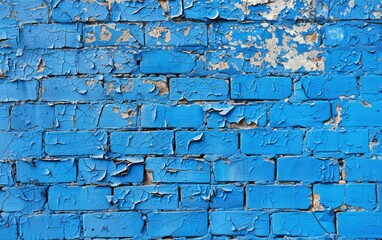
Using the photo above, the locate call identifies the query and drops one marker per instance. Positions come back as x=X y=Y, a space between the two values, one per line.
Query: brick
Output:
x=223 y=115
x=118 y=116
x=185 y=34
x=103 y=61
x=372 y=62
x=266 y=141
x=299 y=114
x=357 y=114
x=18 y=91
x=278 y=196
x=206 y=142
x=205 y=196
x=351 y=196
x=152 y=89
x=32 y=116
x=203 y=89
x=23 y=66
x=64 y=226
x=5 y=116
x=75 y=143
x=35 y=11
x=79 y=11
x=115 y=224
x=330 y=87
x=112 y=34
x=161 y=224
x=302 y=224
x=6 y=173
x=52 y=36
x=72 y=89
x=166 y=61
x=353 y=34
x=178 y=170
x=8 y=226
x=147 y=142
x=41 y=171
x=270 y=88
x=160 y=197
x=75 y=198
x=371 y=87
x=162 y=116
x=342 y=61
x=359 y=224
x=307 y=170
x=14 y=145
x=340 y=141
x=239 y=223
x=363 y=169
x=242 y=168
x=108 y=172
x=22 y=199
x=10 y=37
x=150 y=10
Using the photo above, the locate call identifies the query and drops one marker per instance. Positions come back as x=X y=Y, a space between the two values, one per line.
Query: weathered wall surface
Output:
x=213 y=119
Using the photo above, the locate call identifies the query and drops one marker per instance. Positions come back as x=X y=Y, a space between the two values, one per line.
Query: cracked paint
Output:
x=179 y=119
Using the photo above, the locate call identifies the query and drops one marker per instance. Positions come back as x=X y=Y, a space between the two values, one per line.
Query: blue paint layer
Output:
x=178 y=170
x=273 y=196
x=75 y=198
x=117 y=224
x=66 y=226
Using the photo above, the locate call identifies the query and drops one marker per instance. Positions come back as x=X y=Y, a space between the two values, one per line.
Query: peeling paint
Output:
x=190 y=119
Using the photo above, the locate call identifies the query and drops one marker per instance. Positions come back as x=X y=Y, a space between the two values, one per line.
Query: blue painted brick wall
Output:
x=202 y=119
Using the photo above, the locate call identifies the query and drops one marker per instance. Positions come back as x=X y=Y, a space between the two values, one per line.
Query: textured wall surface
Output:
x=207 y=119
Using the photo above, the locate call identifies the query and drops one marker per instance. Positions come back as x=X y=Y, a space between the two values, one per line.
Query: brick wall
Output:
x=250 y=119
